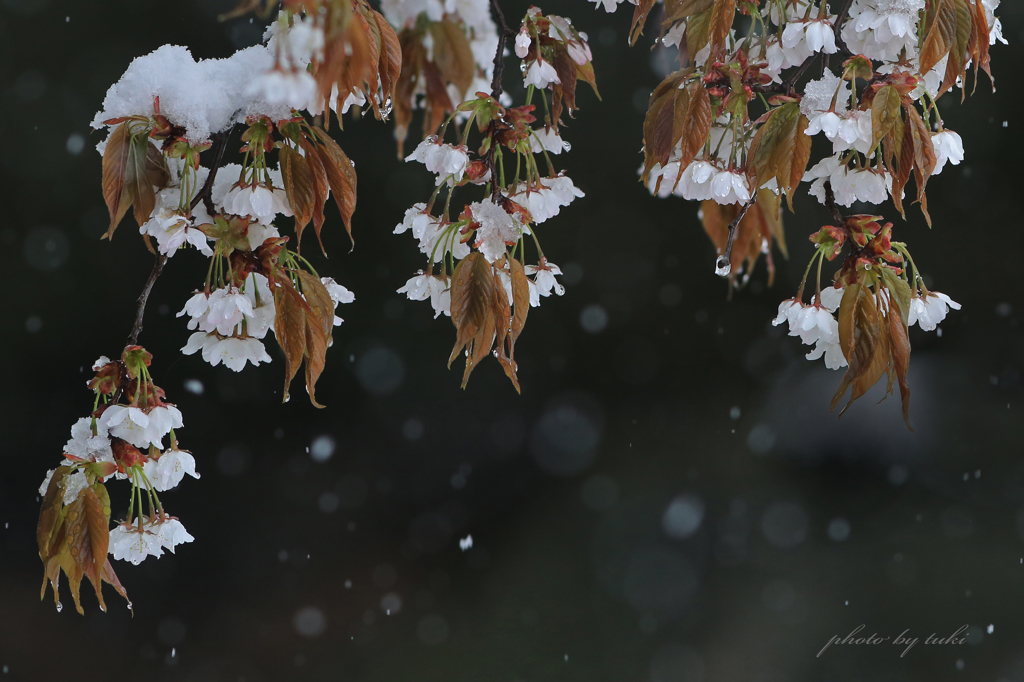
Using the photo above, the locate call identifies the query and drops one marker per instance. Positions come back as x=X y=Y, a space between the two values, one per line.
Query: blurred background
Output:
x=668 y=500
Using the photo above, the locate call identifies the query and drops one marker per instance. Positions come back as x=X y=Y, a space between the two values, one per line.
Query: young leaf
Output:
x=924 y=156
x=51 y=514
x=472 y=310
x=115 y=165
x=859 y=334
x=941 y=34
x=290 y=328
x=721 y=23
x=341 y=176
x=885 y=110
x=781 y=149
x=319 y=322
x=452 y=54
x=640 y=14
x=300 y=186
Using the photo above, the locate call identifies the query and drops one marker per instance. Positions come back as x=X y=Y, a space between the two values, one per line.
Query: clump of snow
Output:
x=204 y=97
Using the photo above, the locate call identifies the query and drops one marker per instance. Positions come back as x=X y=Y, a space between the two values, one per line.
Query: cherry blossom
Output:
x=422 y=287
x=540 y=74
x=496 y=228
x=929 y=310
x=167 y=471
x=448 y=161
x=948 y=147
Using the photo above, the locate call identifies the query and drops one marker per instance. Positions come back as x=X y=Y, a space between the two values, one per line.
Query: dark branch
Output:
x=830 y=204
x=140 y=312
x=723 y=266
x=206 y=193
x=499 y=66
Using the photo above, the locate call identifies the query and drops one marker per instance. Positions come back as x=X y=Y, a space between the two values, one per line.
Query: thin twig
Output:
x=206 y=193
x=723 y=266
x=499 y=66
x=830 y=203
x=140 y=312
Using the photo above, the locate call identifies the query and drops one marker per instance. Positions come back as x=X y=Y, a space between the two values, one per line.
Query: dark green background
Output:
x=571 y=577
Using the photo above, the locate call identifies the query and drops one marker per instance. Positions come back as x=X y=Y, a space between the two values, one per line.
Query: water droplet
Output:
x=60 y=607
x=387 y=107
x=566 y=145
x=722 y=267
x=173 y=652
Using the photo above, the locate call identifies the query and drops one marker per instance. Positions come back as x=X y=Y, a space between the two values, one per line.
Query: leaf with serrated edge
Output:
x=290 y=328
x=471 y=307
x=319 y=326
x=885 y=109
x=299 y=186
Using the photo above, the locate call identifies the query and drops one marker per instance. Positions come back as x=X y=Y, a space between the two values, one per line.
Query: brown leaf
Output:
x=698 y=29
x=924 y=156
x=885 y=110
x=781 y=150
x=300 y=186
x=472 y=310
x=956 y=65
x=721 y=23
x=341 y=176
x=677 y=10
x=51 y=514
x=319 y=323
x=640 y=14
x=940 y=36
x=390 y=66
x=520 y=298
x=132 y=166
x=452 y=54
x=290 y=328
x=115 y=167
x=860 y=332
x=321 y=186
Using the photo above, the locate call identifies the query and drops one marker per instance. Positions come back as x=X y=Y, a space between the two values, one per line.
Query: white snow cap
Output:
x=204 y=97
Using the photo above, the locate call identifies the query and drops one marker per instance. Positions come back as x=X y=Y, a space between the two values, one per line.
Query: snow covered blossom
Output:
x=930 y=310
x=495 y=228
x=277 y=86
x=882 y=29
x=86 y=446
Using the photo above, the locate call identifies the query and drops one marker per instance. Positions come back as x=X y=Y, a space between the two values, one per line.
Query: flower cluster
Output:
x=484 y=282
x=123 y=439
x=734 y=127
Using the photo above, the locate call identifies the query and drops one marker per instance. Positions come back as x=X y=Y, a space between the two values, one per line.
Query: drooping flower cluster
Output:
x=733 y=128
x=123 y=439
x=485 y=284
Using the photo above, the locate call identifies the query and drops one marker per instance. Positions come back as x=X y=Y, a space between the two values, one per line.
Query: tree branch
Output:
x=830 y=203
x=205 y=195
x=499 y=66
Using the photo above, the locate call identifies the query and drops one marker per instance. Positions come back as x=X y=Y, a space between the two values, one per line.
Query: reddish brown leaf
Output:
x=51 y=514
x=924 y=156
x=290 y=328
x=452 y=54
x=640 y=14
x=941 y=34
x=341 y=176
x=860 y=332
x=321 y=186
x=115 y=167
x=300 y=186
x=720 y=24
x=319 y=322
x=472 y=310
x=390 y=66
